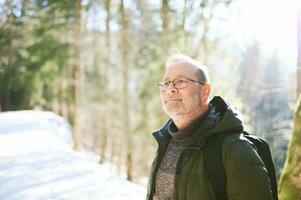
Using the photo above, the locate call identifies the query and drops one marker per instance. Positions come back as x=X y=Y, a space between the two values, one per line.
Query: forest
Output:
x=97 y=63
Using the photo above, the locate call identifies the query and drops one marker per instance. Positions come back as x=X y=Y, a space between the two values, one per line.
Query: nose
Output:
x=171 y=89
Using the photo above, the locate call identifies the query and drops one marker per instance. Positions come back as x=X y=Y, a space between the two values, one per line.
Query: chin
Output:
x=173 y=113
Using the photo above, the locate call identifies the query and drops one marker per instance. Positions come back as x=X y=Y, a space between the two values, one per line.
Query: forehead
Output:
x=180 y=69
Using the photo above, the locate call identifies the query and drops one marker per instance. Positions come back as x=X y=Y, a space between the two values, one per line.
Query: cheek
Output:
x=194 y=99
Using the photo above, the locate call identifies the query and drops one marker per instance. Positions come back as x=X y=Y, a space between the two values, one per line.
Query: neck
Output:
x=183 y=121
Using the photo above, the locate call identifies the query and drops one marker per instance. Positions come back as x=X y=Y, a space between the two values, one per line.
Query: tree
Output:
x=249 y=70
x=299 y=52
x=103 y=142
x=290 y=182
x=28 y=70
x=14 y=92
x=77 y=75
x=165 y=37
x=125 y=92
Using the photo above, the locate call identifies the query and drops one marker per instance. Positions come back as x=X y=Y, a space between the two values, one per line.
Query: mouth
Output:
x=173 y=100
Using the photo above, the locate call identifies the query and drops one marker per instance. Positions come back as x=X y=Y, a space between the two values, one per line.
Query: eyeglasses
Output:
x=178 y=83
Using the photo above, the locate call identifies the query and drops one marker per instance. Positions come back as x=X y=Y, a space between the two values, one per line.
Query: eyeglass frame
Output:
x=163 y=88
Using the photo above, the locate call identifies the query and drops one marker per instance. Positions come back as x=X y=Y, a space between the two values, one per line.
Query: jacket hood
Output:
x=231 y=119
x=222 y=118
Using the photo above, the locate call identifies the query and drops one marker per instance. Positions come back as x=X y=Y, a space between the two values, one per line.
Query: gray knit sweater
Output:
x=180 y=139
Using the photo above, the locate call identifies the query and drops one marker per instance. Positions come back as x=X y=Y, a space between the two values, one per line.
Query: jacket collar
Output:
x=221 y=118
x=163 y=134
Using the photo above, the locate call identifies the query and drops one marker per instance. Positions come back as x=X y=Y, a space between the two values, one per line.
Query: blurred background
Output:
x=97 y=63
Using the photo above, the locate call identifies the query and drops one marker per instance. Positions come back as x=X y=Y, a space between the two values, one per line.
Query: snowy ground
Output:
x=37 y=162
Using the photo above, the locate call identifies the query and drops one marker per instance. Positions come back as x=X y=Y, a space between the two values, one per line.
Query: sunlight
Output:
x=273 y=23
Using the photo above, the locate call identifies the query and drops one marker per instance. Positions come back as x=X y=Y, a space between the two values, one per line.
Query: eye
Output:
x=166 y=83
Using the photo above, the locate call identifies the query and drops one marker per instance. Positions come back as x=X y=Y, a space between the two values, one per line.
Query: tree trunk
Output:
x=165 y=44
x=125 y=79
x=290 y=182
x=7 y=105
x=165 y=32
x=299 y=53
x=104 y=138
x=76 y=76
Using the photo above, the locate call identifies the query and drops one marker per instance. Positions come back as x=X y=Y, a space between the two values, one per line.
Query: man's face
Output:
x=184 y=101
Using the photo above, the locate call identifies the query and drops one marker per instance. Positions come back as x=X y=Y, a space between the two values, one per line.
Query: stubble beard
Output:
x=181 y=111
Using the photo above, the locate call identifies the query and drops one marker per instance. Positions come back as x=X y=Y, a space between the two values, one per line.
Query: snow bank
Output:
x=38 y=163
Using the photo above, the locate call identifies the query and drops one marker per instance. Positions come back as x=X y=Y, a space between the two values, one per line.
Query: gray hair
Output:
x=202 y=70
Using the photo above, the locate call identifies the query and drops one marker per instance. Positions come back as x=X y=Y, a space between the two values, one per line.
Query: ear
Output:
x=206 y=92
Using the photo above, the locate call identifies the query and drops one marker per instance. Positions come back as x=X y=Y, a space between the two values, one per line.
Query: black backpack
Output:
x=215 y=168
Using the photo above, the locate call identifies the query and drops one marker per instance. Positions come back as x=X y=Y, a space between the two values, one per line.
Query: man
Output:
x=178 y=169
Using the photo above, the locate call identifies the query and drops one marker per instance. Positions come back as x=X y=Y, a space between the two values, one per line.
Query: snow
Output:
x=37 y=162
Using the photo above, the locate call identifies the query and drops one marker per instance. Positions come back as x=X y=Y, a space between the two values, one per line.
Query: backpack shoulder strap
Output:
x=214 y=166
